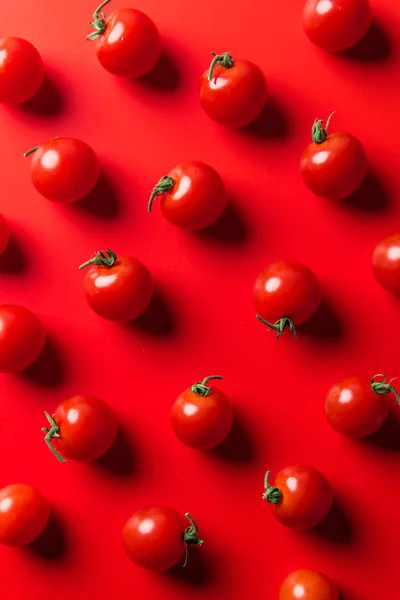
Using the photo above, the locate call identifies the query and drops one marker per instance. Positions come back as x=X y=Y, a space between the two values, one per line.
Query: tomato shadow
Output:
x=372 y=196
x=48 y=369
x=102 y=201
x=13 y=260
x=336 y=528
x=48 y=101
x=238 y=446
x=164 y=76
x=119 y=460
x=271 y=123
x=230 y=228
x=51 y=543
x=157 y=319
x=375 y=46
x=388 y=436
x=198 y=571
x=325 y=325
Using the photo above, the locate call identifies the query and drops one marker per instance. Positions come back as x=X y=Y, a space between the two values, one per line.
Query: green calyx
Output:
x=279 y=325
x=225 y=60
x=190 y=536
x=201 y=388
x=163 y=186
x=102 y=258
x=383 y=387
x=51 y=433
x=271 y=494
x=319 y=133
x=99 y=23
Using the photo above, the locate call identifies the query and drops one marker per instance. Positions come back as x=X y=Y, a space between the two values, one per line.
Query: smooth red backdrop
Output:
x=203 y=321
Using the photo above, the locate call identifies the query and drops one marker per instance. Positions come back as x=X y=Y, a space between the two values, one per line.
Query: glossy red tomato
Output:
x=301 y=497
x=21 y=70
x=202 y=416
x=336 y=24
x=4 y=234
x=82 y=428
x=355 y=406
x=192 y=195
x=128 y=42
x=157 y=538
x=286 y=294
x=22 y=338
x=304 y=584
x=386 y=263
x=117 y=288
x=64 y=169
x=232 y=92
x=24 y=513
x=333 y=166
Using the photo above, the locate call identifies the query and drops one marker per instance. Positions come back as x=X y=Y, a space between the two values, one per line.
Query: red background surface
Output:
x=202 y=321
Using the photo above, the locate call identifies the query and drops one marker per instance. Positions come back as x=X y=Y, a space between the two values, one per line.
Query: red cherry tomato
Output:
x=304 y=584
x=286 y=294
x=192 y=195
x=232 y=92
x=301 y=497
x=202 y=416
x=118 y=289
x=64 y=169
x=333 y=166
x=128 y=42
x=24 y=513
x=336 y=25
x=21 y=70
x=354 y=406
x=22 y=338
x=4 y=234
x=157 y=538
x=82 y=428
x=386 y=263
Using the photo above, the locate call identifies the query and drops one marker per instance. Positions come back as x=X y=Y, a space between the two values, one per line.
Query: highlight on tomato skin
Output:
x=24 y=514
x=21 y=70
x=306 y=584
x=22 y=338
x=386 y=263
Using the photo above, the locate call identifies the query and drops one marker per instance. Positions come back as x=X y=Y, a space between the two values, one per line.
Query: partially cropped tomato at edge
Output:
x=22 y=338
x=82 y=428
x=386 y=263
x=305 y=584
x=286 y=294
x=158 y=537
x=202 y=416
x=300 y=498
x=24 y=513
x=357 y=406
x=21 y=70
x=333 y=166
x=117 y=288
x=192 y=195
x=232 y=92
x=127 y=42
x=4 y=234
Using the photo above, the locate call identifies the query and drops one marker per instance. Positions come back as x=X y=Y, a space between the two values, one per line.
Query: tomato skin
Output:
x=24 y=513
x=336 y=25
x=235 y=96
x=386 y=263
x=307 y=585
x=21 y=70
x=4 y=234
x=64 y=170
x=22 y=338
x=130 y=45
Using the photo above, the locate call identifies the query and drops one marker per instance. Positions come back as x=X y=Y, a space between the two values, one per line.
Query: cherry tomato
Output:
x=386 y=263
x=24 y=513
x=192 y=195
x=128 y=42
x=333 y=166
x=202 y=416
x=4 y=234
x=336 y=25
x=22 y=338
x=354 y=406
x=118 y=289
x=232 y=92
x=157 y=538
x=286 y=294
x=304 y=584
x=82 y=428
x=21 y=70
x=64 y=169
x=301 y=496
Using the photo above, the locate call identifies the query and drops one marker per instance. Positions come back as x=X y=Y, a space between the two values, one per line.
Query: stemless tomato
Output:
x=354 y=406
x=64 y=169
x=192 y=195
x=118 y=289
x=22 y=338
x=286 y=294
x=304 y=584
x=82 y=428
x=232 y=92
x=336 y=25
x=24 y=513
x=157 y=538
x=386 y=263
x=4 y=234
x=202 y=416
x=21 y=70
x=300 y=498
x=333 y=166
x=128 y=42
